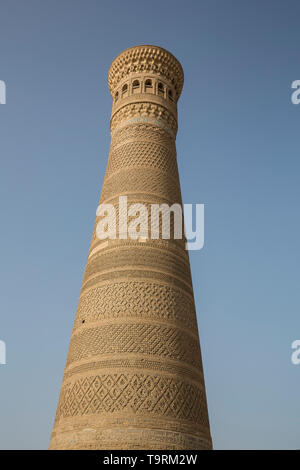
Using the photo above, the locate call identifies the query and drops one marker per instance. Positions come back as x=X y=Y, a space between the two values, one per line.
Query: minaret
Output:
x=133 y=377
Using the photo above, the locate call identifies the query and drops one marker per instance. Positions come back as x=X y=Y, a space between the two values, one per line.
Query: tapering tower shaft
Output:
x=133 y=377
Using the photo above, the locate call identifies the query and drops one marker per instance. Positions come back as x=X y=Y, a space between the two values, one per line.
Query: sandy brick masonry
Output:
x=133 y=377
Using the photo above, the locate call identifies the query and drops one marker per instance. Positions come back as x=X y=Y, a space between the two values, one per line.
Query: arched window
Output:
x=170 y=94
x=116 y=96
x=148 y=86
x=135 y=86
x=124 y=90
x=161 y=89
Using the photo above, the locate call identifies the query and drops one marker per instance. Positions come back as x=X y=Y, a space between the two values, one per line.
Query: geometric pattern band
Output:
x=137 y=393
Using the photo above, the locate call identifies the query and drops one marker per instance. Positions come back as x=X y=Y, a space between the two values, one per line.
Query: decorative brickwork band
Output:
x=133 y=377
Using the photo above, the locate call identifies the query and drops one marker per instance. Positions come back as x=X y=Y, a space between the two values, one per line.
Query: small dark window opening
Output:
x=170 y=95
x=135 y=86
x=83 y=321
x=116 y=96
x=148 y=84
x=161 y=89
x=124 y=89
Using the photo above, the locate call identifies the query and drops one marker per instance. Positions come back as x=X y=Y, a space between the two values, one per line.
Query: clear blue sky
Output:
x=238 y=153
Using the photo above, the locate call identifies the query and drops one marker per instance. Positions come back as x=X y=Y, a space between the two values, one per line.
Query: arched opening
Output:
x=135 y=86
x=124 y=90
x=161 y=89
x=116 y=97
x=148 y=86
x=170 y=94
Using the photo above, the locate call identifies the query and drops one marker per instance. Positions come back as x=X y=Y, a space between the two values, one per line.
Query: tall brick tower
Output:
x=133 y=377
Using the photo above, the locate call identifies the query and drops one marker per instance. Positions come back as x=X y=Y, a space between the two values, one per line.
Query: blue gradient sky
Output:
x=238 y=153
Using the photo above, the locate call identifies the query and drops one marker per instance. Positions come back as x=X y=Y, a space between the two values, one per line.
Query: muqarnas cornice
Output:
x=146 y=58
